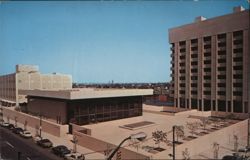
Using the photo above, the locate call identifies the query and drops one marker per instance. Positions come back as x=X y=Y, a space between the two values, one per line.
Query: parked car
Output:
x=26 y=134
x=37 y=138
x=45 y=143
x=11 y=127
x=5 y=124
x=74 y=156
x=60 y=150
x=17 y=130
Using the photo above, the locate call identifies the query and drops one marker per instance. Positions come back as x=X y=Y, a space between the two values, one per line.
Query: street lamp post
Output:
x=139 y=136
x=174 y=142
x=40 y=127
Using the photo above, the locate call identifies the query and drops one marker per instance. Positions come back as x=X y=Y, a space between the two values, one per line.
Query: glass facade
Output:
x=103 y=109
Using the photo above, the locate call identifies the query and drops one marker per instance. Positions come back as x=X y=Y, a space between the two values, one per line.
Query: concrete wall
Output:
x=57 y=109
x=221 y=136
x=34 y=122
x=100 y=146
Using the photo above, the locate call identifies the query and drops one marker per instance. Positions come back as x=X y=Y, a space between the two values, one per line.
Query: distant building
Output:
x=210 y=63
x=85 y=106
x=29 y=77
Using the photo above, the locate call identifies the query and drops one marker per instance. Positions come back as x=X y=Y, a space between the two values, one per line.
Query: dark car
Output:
x=45 y=143
x=11 y=127
x=60 y=150
x=17 y=130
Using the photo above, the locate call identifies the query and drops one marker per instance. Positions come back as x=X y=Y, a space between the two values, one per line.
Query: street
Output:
x=11 y=144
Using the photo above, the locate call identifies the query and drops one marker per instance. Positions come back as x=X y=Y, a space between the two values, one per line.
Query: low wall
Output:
x=236 y=115
x=34 y=122
x=85 y=140
x=222 y=136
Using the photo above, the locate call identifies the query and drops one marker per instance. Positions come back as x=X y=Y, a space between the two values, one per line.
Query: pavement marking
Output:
x=9 y=144
x=28 y=158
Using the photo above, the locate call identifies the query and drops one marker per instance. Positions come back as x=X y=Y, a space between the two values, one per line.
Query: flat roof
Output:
x=87 y=93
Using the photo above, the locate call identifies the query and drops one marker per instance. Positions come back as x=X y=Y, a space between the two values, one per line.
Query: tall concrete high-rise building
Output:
x=210 y=63
x=28 y=77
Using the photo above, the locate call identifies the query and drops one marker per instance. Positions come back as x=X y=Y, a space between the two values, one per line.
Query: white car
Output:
x=74 y=156
x=37 y=138
x=5 y=124
x=26 y=134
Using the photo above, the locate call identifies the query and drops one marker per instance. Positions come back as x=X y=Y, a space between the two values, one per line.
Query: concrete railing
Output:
x=224 y=114
x=34 y=122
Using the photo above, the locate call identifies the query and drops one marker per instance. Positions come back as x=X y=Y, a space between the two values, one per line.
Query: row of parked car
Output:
x=60 y=150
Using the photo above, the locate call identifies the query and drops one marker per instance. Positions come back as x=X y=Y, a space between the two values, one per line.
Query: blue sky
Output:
x=98 y=41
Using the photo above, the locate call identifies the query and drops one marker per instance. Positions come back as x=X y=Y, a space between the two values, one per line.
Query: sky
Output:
x=98 y=41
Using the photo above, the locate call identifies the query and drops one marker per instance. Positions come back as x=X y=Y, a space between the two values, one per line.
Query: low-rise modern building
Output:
x=85 y=106
x=210 y=63
x=29 y=77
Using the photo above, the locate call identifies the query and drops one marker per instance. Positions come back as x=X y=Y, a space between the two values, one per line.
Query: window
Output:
x=207 y=84
x=238 y=33
x=221 y=76
x=222 y=44
x=206 y=92
x=237 y=93
x=207 y=54
x=194 y=77
x=207 y=46
x=240 y=41
x=207 y=77
x=182 y=43
x=238 y=50
x=222 y=60
x=220 y=36
x=207 y=69
x=194 y=85
x=237 y=76
x=194 y=48
x=194 y=92
x=207 y=62
x=182 y=78
x=194 y=70
x=194 y=40
x=237 y=84
x=221 y=84
x=237 y=67
x=194 y=63
x=207 y=38
x=182 y=64
x=221 y=52
x=183 y=50
x=221 y=68
x=182 y=57
x=182 y=92
x=194 y=55
x=238 y=59
x=222 y=93
x=182 y=84
x=182 y=71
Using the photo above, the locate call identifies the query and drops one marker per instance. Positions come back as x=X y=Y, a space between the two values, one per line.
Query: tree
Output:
x=216 y=148
x=236 y=143
x=179 y=131
x=192 y=126
x=159 y=136
x=204 y=122
x=186 y=154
